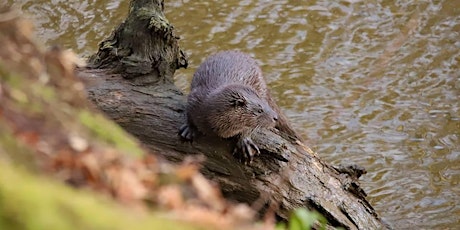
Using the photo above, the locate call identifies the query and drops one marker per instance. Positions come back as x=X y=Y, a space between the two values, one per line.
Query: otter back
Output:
x=230 y=67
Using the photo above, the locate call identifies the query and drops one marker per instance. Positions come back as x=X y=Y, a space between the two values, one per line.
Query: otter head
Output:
x=237 y=109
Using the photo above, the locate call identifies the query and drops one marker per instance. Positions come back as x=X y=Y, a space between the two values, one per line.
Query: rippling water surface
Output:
x=376 y=82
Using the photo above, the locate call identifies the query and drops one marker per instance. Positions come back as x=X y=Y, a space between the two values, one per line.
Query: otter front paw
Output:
x=187 y=132
x=245 y=150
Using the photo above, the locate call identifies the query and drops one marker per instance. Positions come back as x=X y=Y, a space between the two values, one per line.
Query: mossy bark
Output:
x=287 y=175
x=144 y=47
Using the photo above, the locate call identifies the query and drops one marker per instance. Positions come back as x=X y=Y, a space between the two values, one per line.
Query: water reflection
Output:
x=79 y=25
x=371 y=82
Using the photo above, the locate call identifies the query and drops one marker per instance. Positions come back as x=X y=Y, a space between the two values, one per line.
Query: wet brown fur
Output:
x=229 y=97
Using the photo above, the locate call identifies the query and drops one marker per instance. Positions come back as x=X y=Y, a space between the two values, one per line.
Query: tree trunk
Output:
x=130 y=79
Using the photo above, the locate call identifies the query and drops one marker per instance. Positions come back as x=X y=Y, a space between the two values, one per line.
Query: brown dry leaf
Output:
x=128 y=188
x=110 y=156
x=91 y=166
x=207 y=192
x=150 y=161
x=27 y=28
x=170 y=196
x=147 y=176
x=63 y=159
x=28 y=137
x=242 y=213
x=69 y=60
x=187 y=171
x=205 y=217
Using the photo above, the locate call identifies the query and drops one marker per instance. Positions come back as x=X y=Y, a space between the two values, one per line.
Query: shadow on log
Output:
x=130 y=80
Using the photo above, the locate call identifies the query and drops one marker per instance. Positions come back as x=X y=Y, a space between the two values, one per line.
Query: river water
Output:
x=376 y=83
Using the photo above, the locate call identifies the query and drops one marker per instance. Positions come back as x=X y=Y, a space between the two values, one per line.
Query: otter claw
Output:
x=245 y=150
x=186 y=132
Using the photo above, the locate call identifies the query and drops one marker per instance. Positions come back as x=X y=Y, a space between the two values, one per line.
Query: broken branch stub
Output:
x=144 y=45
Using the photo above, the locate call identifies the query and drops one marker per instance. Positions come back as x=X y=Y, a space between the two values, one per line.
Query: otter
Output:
x=229 y=98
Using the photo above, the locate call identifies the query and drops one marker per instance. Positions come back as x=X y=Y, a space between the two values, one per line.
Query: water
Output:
x=375 y=82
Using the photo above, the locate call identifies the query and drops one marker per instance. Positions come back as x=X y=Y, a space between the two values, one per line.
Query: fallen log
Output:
x=130 y=80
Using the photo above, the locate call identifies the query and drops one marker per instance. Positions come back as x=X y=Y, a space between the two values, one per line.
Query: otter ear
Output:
x=238 y=102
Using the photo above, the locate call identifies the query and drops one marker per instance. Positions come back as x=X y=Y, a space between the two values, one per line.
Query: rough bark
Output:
x=287 y=175
x=143 y=45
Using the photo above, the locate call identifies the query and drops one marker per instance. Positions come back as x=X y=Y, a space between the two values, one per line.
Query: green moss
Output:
x=32 y=98
x=20 y=90
x=31 y=203
x=110 y=132
x=13 y=150
x=44 y=93
x=6 y=76
x=302 y=219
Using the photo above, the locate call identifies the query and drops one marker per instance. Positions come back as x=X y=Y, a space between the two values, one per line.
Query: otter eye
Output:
x=238 y=102
x=260 y=110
